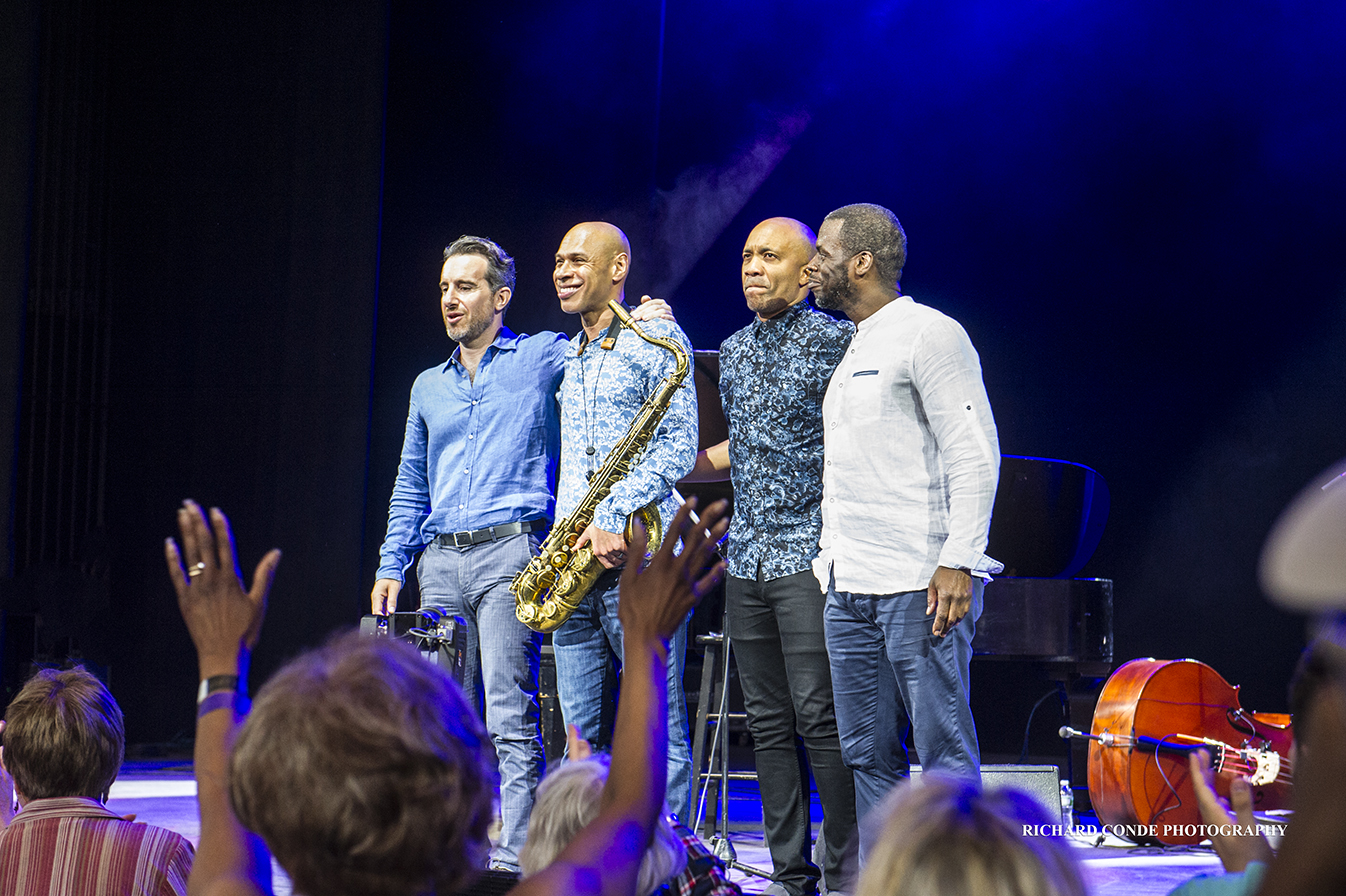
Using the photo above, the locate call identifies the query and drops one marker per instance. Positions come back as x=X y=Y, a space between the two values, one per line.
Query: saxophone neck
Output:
x=672 y=345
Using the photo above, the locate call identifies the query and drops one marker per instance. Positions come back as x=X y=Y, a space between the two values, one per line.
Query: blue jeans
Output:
x=891 y=675
x=584 y=646
x=502 y=661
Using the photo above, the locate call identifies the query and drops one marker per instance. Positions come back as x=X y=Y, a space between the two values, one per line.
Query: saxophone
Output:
x=551 y=586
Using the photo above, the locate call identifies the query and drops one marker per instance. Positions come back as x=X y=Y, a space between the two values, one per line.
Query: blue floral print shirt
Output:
x=773 y=376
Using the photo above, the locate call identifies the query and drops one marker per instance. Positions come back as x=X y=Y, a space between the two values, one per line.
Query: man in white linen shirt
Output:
x=910 y=472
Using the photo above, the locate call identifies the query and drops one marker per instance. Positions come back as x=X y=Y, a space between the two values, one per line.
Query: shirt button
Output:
x=474 y=402
x=471 y=436
x=461 y=506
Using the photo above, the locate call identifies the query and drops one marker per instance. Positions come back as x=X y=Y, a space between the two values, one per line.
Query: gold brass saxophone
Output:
x=554 y=582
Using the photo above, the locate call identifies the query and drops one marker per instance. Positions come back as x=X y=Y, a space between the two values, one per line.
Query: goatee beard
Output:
x=837 y=298
x=469 y=330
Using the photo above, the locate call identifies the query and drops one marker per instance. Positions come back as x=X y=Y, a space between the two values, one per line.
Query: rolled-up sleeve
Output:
x=946 y=373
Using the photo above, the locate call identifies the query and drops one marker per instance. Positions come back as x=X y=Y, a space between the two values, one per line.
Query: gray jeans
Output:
x=502 y=662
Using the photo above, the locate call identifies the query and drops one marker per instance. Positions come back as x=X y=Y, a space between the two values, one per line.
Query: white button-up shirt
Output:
x=911 y=457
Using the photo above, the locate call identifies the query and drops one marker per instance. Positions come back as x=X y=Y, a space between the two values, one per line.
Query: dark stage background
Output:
x=220 y=236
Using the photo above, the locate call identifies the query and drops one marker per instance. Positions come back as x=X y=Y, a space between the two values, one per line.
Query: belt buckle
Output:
x=462 y=539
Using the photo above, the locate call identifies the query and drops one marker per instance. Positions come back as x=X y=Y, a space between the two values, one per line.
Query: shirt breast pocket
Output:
x=863 y=390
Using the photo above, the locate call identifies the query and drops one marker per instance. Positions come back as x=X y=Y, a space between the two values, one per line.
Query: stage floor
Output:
x=164 y=793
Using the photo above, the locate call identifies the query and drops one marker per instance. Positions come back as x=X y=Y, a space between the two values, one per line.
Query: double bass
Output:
x=1151 y=714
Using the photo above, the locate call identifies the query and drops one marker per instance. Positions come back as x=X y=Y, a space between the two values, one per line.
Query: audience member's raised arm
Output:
x=605 y=856
x=224 y=621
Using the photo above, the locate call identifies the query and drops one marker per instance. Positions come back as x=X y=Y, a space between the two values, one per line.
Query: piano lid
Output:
x=1048 y=516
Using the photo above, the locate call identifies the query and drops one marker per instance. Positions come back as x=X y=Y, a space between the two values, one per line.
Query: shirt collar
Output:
x=66 y=806
x=891 y=308
x=505 y=341
x=784 y=319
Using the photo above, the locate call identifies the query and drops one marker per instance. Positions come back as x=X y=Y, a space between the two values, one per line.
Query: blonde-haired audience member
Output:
x=942 y=836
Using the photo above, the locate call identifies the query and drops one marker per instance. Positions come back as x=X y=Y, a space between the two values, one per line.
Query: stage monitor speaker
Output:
x=1041 y=782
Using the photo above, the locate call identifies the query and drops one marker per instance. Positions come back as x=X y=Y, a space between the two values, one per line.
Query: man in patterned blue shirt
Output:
x=773 y=375
x=609 y=374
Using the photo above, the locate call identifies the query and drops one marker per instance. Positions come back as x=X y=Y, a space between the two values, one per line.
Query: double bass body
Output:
x=1150 y=715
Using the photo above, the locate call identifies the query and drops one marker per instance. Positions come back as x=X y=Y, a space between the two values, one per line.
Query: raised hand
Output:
x=1240 y=845
x=577 y=748
x=655 y=601
x=222 y=617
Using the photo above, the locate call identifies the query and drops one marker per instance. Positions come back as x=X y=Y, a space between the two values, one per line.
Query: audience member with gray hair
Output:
x=676 y=861
x=568 y=799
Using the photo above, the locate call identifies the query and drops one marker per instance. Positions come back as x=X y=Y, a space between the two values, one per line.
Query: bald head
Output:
x=591 y=267
x=774 y=258
x=600 y=235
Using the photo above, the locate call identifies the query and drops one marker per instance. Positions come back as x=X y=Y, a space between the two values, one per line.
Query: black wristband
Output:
x=216 y=683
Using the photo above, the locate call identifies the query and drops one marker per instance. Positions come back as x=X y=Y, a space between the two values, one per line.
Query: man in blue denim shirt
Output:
x=474 y=488
x=773 y=375
x=607 y=380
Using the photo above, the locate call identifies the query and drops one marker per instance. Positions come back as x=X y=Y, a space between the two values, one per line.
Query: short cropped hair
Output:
x=567 y=800
x=865 y=227
x=499 y=265
x=64 y=736
x=946 y=835
x=365 y=771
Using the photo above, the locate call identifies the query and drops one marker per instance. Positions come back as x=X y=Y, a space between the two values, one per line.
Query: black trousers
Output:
x=776 y=629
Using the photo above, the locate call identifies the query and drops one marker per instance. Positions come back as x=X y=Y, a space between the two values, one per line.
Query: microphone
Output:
x=1107 y=740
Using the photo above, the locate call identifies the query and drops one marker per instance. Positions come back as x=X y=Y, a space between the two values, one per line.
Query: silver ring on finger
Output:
x=196 y=570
